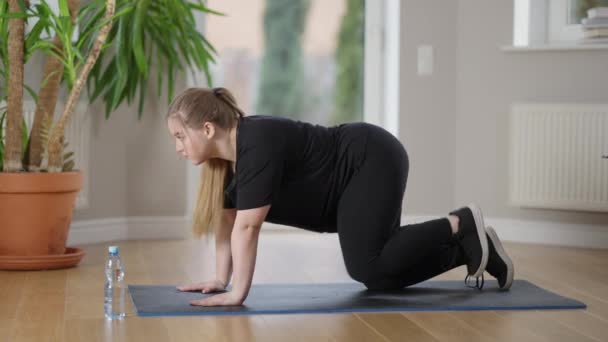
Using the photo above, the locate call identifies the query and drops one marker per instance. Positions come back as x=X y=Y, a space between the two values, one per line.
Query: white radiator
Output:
x=557 y=158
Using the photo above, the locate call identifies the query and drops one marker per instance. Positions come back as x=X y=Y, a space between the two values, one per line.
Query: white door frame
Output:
x=382 y=54
x=381 y=76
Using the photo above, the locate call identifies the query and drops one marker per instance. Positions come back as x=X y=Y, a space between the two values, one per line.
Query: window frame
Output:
x=381 y=76
x=544 y=22
x=559 y=29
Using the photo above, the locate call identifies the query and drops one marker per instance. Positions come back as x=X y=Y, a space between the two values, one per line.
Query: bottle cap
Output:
x=113 y=249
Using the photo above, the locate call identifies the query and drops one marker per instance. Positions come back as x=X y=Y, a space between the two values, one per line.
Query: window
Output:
x=373 y=59
x=538 y=22
x=302 y=59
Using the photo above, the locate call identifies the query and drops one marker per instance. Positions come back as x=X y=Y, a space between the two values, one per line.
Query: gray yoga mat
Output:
x=439 y=295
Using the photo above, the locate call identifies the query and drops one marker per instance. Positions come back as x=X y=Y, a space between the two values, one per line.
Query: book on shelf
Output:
x=588 y=23
x=596 y=32
x=597 y=12
x=591 y=41
x=594 y=21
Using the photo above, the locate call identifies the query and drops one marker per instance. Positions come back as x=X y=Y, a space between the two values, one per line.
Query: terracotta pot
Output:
x=36 y=212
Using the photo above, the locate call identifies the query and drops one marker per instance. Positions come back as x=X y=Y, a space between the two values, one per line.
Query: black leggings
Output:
x=377 y=251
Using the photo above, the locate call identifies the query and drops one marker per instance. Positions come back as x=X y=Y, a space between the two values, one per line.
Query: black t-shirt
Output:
x=298 y=167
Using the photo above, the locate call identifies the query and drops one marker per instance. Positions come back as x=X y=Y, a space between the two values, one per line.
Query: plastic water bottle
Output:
x=115 y=289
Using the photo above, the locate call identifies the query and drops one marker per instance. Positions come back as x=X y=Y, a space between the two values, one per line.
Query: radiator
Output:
x=557 y=156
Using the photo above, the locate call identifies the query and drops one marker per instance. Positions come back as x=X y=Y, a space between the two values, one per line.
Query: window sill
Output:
x=573 y=46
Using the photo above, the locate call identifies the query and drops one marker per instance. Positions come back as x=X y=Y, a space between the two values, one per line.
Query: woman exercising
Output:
x=348 y=179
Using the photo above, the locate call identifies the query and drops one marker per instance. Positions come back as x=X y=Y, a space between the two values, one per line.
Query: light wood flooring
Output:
x=67 y=305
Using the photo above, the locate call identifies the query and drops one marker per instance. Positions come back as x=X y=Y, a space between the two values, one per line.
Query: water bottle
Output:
x=115 y=289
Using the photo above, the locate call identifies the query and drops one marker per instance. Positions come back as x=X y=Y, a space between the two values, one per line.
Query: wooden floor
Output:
x=67 y=305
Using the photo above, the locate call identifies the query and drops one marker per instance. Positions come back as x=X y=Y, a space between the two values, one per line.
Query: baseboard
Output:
x=172 y=227
x=99 y=230
x=540 y=232
x=177 y=227
x=551 y=233
x=130 y=228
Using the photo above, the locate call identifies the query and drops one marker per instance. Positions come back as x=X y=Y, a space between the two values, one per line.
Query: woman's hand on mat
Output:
x=226 y=298
x=205 y=287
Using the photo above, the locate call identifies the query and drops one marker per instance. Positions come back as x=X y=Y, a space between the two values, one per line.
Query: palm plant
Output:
x=123 y=40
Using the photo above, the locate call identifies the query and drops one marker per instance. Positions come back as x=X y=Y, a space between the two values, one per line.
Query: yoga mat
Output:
x=438 y=295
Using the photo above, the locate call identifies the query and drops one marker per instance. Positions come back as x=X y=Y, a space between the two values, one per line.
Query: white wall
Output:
x=488 y=81
x=428 y=105
x=452 y=123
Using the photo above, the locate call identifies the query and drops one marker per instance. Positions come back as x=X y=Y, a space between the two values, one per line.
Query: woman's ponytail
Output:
x=226 y=96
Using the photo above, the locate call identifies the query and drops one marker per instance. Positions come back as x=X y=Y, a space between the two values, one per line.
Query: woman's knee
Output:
x=371 y=279
x=382 y=284
x=358 y=273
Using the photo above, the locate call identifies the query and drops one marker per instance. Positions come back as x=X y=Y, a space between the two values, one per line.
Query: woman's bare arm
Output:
x=223 y=254
x=245 y=236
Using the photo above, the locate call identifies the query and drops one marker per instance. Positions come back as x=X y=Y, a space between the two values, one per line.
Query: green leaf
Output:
x=64 y=9
x=24 y=137
x=138 y=36
x=66 y=156
x=83 y=38
x=105 y=79
x=3 y=8
x=31 y=92
x=159 y=73
x=205 y=9
x=142 y=90
x=65 y=62
x=2 y=124
x=22 y=5
x=16 y=16
x=117 y=90
x=108 y=106
x=131 y=85
x=34 y=36
x=162 y=31
x=2 y=139
x=209 y=46
x=46 y=80
x=88 y=30
x=68 y=166
x=170 y=82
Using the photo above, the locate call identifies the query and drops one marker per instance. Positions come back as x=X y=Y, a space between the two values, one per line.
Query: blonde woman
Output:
x=347 y=179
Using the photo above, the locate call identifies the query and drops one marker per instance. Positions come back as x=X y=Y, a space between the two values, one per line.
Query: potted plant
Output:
x=105 y=45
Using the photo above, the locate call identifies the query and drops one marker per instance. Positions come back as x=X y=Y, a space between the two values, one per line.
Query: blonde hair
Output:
x=193 y=107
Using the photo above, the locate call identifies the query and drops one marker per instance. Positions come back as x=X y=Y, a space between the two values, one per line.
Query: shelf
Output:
x=555 y=47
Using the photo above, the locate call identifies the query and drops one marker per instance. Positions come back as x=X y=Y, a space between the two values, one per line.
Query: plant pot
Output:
x=36 y=212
